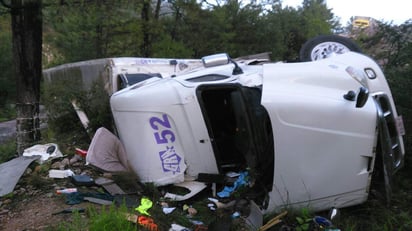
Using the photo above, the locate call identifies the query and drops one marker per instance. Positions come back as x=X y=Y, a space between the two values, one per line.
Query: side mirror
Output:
x=362 y=98
x=221 y=59
x=215 y=60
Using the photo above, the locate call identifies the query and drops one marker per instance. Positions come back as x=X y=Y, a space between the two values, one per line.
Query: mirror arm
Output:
x=237 y=70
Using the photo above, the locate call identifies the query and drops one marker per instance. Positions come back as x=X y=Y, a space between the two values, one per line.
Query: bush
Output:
x=63 y=121
x=7 y=151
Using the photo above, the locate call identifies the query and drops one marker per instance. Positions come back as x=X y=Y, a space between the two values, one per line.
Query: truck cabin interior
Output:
x=241 y=133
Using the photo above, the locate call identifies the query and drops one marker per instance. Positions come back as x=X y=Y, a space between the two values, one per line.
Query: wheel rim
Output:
x=328 y=49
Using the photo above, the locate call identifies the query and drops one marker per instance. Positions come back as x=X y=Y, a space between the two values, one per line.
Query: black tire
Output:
x=324 y=46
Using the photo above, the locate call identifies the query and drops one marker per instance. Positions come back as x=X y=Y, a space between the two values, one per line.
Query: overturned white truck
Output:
x=312 y=134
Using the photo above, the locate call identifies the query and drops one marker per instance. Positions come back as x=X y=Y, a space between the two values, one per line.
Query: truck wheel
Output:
x=325 y=46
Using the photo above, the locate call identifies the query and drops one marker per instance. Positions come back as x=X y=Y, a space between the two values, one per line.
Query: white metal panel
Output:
x=323 y=143
x=154 y=121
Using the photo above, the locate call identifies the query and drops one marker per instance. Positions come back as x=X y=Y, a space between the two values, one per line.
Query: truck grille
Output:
x=389 y=136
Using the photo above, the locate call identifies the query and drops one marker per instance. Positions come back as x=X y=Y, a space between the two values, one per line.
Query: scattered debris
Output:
x=54 y=173
x=109 y=185
x=11 y=171
x=66 y=190
x=81 y=152
x=98 y=201
x=241 y=180
x=176 y=227
x=273 y=221
x=70 y=210
x=191 y=211
x=147 y=222
x=167 y=210
x=221 y=205
x=82 y=116
x=107 y=152
x=78 y=197
x=193 y=186
x=255 y=217
x=145 y=204
x=82 y=180
x=238 y=209
x=45 y=151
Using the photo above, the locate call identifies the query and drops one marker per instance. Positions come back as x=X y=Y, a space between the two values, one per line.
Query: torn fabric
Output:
x=107 y=152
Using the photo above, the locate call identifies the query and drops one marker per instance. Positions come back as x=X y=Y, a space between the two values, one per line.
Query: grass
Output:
x=7 y=112
x=372 y=215
x=113 y=219
x=7 y=151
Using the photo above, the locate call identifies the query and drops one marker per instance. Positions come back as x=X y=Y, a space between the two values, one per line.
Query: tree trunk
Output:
x=145 y=15
x=27 y=48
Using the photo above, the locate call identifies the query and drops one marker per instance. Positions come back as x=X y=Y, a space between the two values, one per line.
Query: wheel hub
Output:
x=328 y=49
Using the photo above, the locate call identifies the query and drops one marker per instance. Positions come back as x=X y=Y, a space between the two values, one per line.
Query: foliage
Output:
x=7 y=151
x=303 y=220
x=88 y=30
x=7 y=82
x=62 y=118
x=78 y=224
x=81 y=30
x=284 y=28
x=97 y=108
x=390 y=44
x=7 y=112
x=63 y=122
x=392 y=47
x=113 y=219
x=317 y=18
x=376 y=216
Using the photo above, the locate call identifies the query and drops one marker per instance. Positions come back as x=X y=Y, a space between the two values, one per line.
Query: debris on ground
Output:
x=11 y=171
x=211 y=202
x=45 y=151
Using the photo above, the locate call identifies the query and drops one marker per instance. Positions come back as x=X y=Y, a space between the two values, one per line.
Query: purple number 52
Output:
x=162 y=135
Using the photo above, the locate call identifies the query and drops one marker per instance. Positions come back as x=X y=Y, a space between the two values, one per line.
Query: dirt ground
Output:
x=36 y=213
x=34 y=200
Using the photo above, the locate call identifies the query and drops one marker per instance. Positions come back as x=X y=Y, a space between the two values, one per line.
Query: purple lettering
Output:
x=170 y=160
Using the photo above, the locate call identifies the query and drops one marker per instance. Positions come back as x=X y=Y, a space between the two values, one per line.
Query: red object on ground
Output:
x=147 y=222
x=200 y=228
x=81 y=152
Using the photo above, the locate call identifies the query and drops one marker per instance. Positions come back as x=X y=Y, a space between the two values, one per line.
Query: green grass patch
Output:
x=7 y=151
x=7 y=112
